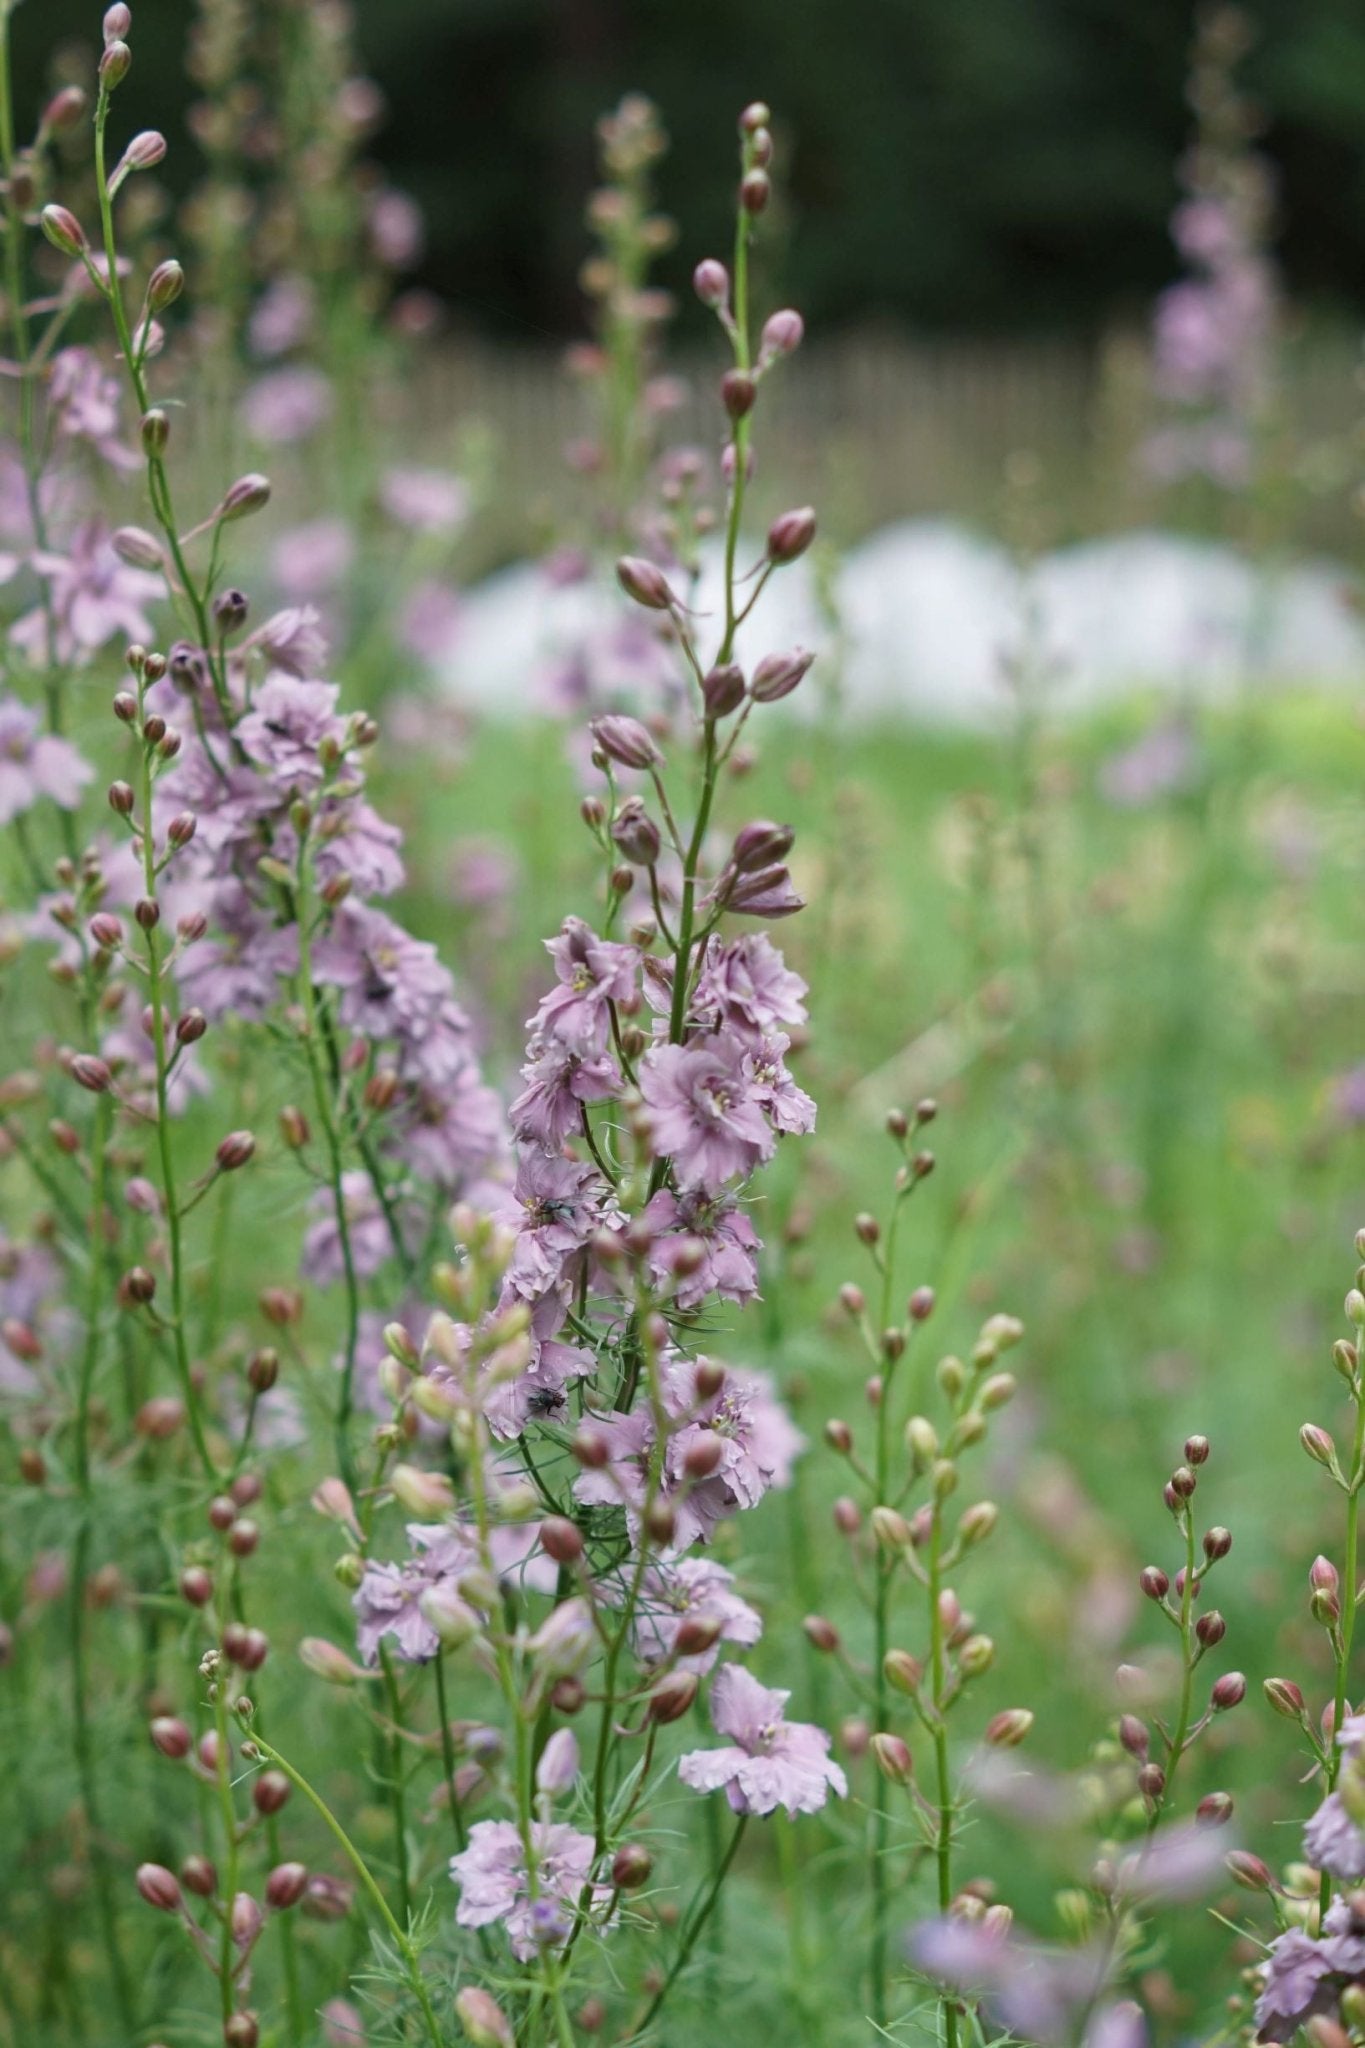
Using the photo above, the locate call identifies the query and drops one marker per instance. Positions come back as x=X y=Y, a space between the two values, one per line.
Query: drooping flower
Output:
x=495 y=1885
x=769 y=1761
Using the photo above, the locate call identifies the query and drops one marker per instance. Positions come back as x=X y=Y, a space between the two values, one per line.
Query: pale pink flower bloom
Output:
x=769 y=1761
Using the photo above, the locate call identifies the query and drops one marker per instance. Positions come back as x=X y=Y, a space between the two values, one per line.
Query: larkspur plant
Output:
x=297 y=1277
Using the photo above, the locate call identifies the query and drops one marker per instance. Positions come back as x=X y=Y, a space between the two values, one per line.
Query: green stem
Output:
x=80 y=1702
x=943 y=1837
x=698 y=1915
x=1349 y=1600
x=165 y=1151
x=400 y=1939
x=400 y=1823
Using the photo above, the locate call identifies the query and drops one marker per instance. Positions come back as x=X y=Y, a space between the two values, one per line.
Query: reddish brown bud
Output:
x=1154 y=1582
x=270 y=1792
x=171 y=1736
x=820 y=1633
x=91 y=1073
x=196 y=1586
x=285 y=1886
x=235 y=1150
x=673 y=1697
x=631 y=1866
x=1229 y=1691
x=790 y=534
x=561 y=1539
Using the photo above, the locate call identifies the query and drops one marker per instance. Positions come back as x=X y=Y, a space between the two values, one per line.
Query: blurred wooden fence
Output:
x=879 y=427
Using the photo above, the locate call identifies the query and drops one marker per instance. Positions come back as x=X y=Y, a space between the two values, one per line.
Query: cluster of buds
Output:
x=1199 y=1633
x=917 y=1542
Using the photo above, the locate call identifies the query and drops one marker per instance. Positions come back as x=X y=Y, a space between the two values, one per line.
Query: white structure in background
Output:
x=929 y=607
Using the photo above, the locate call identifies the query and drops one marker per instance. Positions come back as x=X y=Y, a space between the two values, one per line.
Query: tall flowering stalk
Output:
x=915 y=1552
x=594 y=1448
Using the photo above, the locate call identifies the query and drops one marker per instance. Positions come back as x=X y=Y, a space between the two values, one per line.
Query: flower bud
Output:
x=427 y=1495
x=758 y=845
x=144 y=152
x=325 y=1660
x=1133 y=1735
x=270 y=1792
x=235 y=1150
x=63 y=230
x=711 y=283
x=159 y=1887
x=245 y=1920
x=777 y=675
x=1217 y=1543
x=564 y=1643
x=1210 y=1628
x=891 y=1754
x=821 y=1634
x=722 y=690
x=249 y=494
x=285 y=1886
x=790 y=534
x=1249 y=1871
x=1008 y=1729
x=1154 y=1582
x=164 y=286
x=114 y=65
x=155 y=430
x=1285 y=1698
x=1318 y=1444
x=626 y=741
x=198 y=1875
x=136 y=547
x=738 y=392
x=631 y=1866
x=171 y=1736
x=755 y=190
x=483 y=2019
x=1214 y=1810
x=561 y=1539
x=782 y=334
x=64 y=110
x=558 y=1766
x=91 y=1073
x=673 y=1697
x=645 y=583
x=242 y=2030
x=1229 y=1691
x=890 y=1528
x=902 y=1671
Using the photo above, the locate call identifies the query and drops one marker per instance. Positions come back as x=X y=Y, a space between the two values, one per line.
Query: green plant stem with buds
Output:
x=1345 y=1632
x=80 y=1564
x=943 y=1839
x=322 y=1095
x=156 y=999
x=158 y=482
x=1189 y=1657
x=402 y=1942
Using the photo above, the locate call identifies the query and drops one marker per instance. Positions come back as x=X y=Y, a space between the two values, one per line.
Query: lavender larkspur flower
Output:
x=706 y=1116
x=593 y=973
x=681 y=1226
x=1304 y=1977
x=690 y=1589
x=35 y=764
x=769 y=1761
x=93 y=597
x=495 y=1886
x=387 y=1601
x=558 y=1086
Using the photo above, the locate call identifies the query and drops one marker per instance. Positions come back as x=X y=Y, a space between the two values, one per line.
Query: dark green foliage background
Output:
x=987 y=164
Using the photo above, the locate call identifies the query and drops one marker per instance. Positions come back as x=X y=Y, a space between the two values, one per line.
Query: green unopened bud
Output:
x=903 y=1671
x=430 y=1398
x=1351 y=1792
x=1318 y=1444
x=164 y=286
x=1004 y=1332
x=978 y=1521
x=998 y=1389
x=1355 y=1308
x=921 y=1441
x=944 y=1478
x=454 y=1622
x=890 y=1528
x=1285 y=1698
x=1076 y=1912
x=976 y=1656
x=349 y=1570
x=952 y=1376
x=428 y=1495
